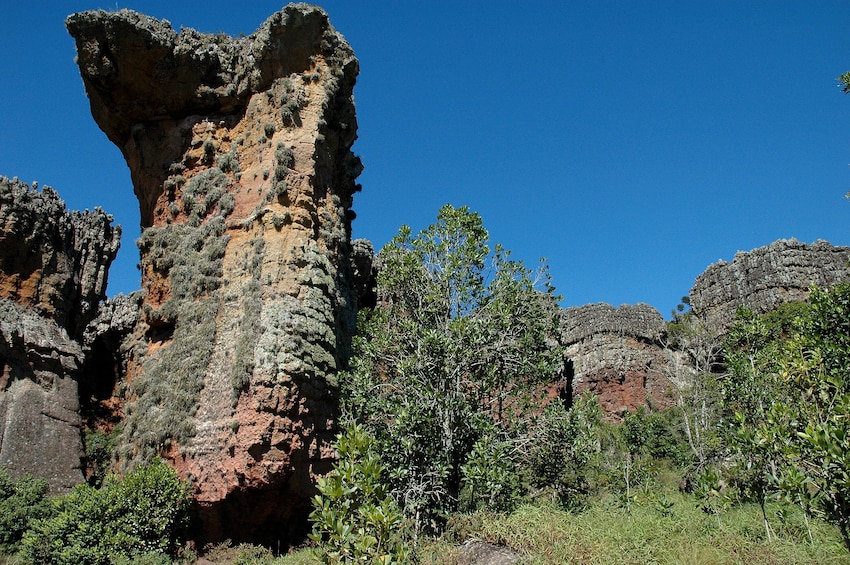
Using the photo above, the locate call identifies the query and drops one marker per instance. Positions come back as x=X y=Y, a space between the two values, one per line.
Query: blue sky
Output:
x=632 y=144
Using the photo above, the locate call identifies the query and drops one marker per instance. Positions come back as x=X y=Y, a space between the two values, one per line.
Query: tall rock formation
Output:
x=53 y=274
x=617 y=354
x=766 y=277
x=240 y=156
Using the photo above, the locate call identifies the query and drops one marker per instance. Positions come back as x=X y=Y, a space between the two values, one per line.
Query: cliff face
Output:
x=616 y=353
x=53 y=269
x=239 y=152
x=766 y=277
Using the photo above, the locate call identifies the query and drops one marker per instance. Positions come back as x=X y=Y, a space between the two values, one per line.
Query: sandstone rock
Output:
x=39 y=408
x=766 y=277
x=53 y=261
x=53 y=269
x=239 y=152
x=616 y=353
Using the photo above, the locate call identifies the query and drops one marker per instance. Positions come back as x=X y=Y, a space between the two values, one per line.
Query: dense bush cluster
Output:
x=140 y=517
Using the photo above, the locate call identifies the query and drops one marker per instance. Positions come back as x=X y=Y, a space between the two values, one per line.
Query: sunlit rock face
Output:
x=766 y=277
x=53 y=275
x=617 y=354
x=240 y=156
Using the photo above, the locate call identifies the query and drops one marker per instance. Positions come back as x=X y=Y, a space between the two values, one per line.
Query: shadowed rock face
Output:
x=53 y=269
x=239 y=152
x=766 y=277
x=616 y=353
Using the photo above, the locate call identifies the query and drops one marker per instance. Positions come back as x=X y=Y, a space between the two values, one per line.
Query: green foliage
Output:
x=845 y=82
x=490 y=477
x=22 y=502
x=292 y=98
x=284 y=161
x=353 y=514
x=100 y=447
x=664 y=528
x=565 y=456
x=789 y=397
x=455 y=355
x=141 y=514
x=816 y=367
x=190 y=256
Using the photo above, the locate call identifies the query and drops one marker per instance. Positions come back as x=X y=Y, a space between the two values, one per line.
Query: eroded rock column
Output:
x=240 y=155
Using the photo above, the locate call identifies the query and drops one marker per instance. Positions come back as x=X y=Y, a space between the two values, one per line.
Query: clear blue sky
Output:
x=630 y=143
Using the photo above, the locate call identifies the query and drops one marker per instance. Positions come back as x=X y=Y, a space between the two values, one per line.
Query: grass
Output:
x=663 y=534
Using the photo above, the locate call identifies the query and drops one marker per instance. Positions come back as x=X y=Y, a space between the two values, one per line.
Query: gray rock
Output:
x=766 y=277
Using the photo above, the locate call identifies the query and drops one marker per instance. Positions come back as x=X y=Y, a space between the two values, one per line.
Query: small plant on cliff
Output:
x=144 y=513
x=354 y=517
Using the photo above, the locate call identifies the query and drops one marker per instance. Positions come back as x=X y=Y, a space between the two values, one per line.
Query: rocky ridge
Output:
x=240 y=156
x=53 y=274
x=766 y=277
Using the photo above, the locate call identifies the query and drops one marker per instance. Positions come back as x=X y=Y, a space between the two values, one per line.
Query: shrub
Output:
x=353 y=514
x=141 y=515
x=22 y=501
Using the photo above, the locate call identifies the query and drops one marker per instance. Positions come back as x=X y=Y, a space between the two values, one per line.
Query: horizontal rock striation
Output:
x=616 y=353
x=53 y=269
x=766 y=277
x=240 y=156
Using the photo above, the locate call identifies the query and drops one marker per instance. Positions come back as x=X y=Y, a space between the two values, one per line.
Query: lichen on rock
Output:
x=617 y=354
x=763 y=278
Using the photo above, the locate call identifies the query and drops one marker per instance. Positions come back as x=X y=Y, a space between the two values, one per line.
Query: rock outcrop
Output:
x=240 y=156
x=766 y=277
x=617 y=354
x=53 y=274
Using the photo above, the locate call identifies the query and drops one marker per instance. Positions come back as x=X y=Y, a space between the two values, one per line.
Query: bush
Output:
x=21 y=502
x=139 y=516
x=353 y=514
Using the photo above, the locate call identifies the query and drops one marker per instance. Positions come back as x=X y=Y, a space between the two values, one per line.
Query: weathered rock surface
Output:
x=51 y=260
x=239 y=152
x=53 y=269
x=616 y=353
x=766 y=277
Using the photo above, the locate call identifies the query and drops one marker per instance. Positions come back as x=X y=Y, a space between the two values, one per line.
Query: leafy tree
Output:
x=816 y=367
x=565 y=454
x=789 y=394
x=694 y=354
x=750 y=393
x=462 y=339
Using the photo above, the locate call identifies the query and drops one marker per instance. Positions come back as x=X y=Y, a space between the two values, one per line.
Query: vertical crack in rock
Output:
x=240 y=155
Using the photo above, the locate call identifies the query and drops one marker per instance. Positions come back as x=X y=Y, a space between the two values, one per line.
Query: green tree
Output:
x=750 y=393
x=816 y=368
x=789 y=397
x=462 y=339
